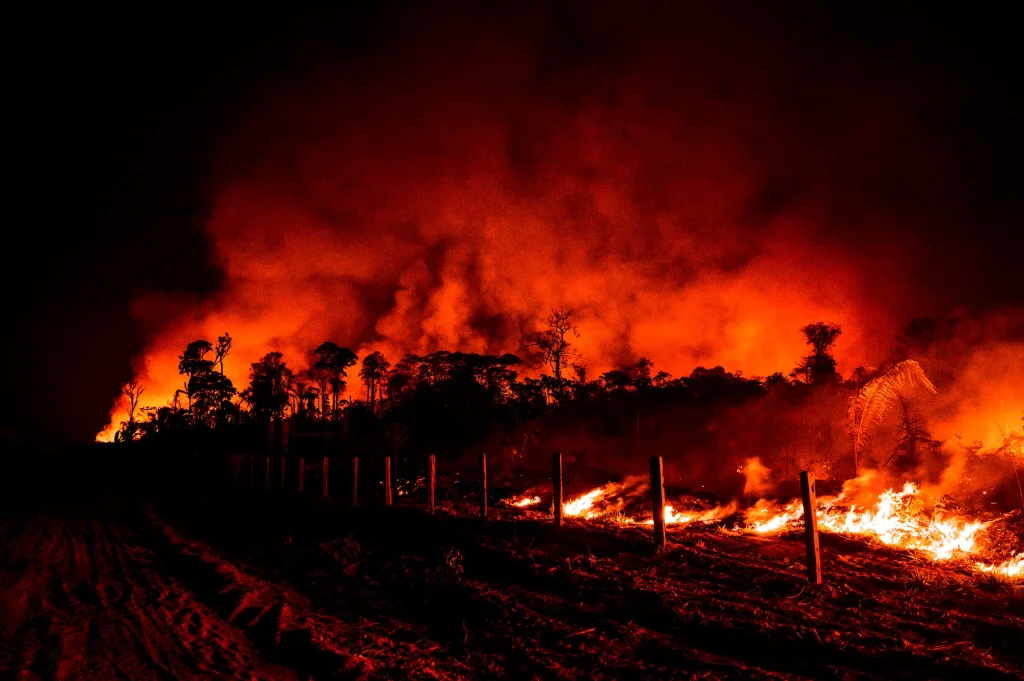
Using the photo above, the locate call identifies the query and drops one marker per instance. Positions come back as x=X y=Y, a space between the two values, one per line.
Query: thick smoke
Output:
x=693 y=202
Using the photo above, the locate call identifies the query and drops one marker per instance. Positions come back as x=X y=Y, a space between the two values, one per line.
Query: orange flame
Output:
x=524 y=501
x=608 y=503
x=897 y=519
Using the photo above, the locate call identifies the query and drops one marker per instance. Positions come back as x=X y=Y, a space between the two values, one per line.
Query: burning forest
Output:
x=572 y=340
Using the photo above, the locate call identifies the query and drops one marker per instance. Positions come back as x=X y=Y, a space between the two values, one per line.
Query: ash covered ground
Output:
x=186 y=576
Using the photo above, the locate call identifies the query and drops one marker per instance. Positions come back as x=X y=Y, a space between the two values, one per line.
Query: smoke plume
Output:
x=694 y=204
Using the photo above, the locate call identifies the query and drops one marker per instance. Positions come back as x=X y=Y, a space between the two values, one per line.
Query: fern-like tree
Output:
x=886 y=394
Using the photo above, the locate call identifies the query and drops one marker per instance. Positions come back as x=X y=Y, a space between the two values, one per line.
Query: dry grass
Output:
x=514 y=598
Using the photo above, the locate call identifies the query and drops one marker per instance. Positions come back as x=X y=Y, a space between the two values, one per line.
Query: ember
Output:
x=525 y=501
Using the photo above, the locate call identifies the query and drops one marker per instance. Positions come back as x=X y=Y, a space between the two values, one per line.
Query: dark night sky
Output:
x=118 y=112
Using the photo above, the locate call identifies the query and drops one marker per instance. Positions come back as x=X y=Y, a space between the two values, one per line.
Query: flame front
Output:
x=897 y=519
x=583 y=507
x=610 y=503
x=524 y=501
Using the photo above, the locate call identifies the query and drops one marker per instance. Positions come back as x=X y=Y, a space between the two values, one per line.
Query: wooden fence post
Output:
x=327 y=468
x=431 y=482
x=355 y=480
x=284 y=469
x=387 y=480
x=811 y=527
x=556 y=484
x=302 y=473
x=483 y=485
x=266 y=473
x=658 y=500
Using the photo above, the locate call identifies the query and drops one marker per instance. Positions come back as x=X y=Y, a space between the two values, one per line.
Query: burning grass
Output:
x=516 y=598
x=899 y=519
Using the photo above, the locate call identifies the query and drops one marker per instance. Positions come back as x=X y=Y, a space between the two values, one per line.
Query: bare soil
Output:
x=235 y=583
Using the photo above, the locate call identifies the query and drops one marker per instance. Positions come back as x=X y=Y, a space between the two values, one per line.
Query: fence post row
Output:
x=431 y=481
x=483 y=486
x=658 y=500
x=327 y=468
x=556 y=484
x=811 y=527
x=355 y=480
x=807 y=493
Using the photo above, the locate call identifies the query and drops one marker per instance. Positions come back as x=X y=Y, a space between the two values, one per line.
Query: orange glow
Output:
x=896 y=519
x=611 y=501
x=524 y=501
x=332 y=221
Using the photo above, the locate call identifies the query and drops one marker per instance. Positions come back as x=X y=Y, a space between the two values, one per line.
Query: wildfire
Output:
x=776 y=522
x=583 y=507
x=674 y=518
x=613 y=502
x=1014 y=567
x=897 y=519
x=524 y=501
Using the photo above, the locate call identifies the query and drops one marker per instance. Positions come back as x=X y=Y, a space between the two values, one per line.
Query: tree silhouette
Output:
x=130 y=428
x=616 y=379
x=304 y=392
x=222 y=350
x=641 y=373
x=373 y=371
x=193 y=364
x=819 y=366
x=133 y=391
x=322 y=378
x=209 y=392
x=211 y=397
x=269 y=384
x=553 y=347
x=334 y=361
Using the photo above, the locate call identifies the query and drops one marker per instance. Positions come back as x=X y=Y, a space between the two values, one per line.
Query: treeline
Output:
x=451 y=402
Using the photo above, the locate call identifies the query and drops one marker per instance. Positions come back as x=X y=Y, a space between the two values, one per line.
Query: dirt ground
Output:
x=243 y=584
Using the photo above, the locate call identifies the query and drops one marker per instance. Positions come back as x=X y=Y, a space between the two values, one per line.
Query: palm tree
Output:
x=879 y=397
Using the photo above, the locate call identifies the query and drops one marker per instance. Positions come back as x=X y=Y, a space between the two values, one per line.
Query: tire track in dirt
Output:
x=293 y=631
x=83 y=600
x=714 y=600
x=728 y=603
x=501 y=626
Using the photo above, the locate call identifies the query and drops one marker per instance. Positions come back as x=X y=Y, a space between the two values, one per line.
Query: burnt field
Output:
x=168 y=579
